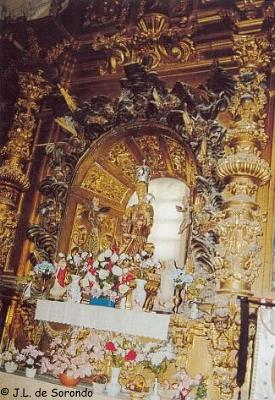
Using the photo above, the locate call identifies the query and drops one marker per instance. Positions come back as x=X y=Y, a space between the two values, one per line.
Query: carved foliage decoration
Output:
x=100 y=182
x=120 y=156
x=8 y=224
x=153 y=39
x=25 y=329
x=223 y=333
x=151 y=152
x=177 y=157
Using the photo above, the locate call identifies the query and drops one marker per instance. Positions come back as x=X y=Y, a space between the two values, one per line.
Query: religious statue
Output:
x=187 y=213
x=59 y=288
x=95 y=215
x=138 y=219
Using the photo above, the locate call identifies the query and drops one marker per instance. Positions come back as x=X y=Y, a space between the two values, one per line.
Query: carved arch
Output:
x=107 y=171
x=187 y=113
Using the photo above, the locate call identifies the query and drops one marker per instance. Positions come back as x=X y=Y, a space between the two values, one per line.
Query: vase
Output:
x=10 y=367
x=177 y=299
x=139 y=295
x=68 y=380
x=57 y=291
x=155 y=395
x=113 y=387
x=74 y=291
x=102 y=301
x=30 y=372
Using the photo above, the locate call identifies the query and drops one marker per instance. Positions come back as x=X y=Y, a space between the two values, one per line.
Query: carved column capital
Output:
x=251 y=52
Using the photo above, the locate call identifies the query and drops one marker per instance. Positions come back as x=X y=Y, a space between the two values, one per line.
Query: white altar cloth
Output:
x=263 y=379
x=137 y=323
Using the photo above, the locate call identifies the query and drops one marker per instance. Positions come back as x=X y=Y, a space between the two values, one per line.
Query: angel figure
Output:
x=186 y=209
x=184 y=230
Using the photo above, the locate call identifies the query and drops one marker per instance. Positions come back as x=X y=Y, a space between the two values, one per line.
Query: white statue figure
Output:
x=143 y=173
x=166 y=291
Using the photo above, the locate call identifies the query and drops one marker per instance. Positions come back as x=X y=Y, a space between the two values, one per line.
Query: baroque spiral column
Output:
x=239 y=224
x=243 y=171
x=15 y=156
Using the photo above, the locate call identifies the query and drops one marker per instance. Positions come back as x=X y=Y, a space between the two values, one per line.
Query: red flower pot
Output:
x=67 y=380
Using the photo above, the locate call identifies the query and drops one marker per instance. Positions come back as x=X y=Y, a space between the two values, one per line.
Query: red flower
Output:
x=90 y=260
x=110 y=266
x=130 y=356
x=115 y=249
x=92 y=270
x=110 y=346
x=128 y=278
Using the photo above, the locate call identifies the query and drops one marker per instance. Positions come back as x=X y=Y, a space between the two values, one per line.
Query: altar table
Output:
x=137 y=323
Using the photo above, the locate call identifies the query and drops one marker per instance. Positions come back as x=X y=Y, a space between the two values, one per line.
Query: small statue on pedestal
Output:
x=59 y=288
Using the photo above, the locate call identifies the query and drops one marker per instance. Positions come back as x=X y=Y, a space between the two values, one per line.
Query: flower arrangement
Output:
x=45 y=268
x=129 y=349
x=186 y=385
x=121 y=351
x=108 y=275
x=43 y=271
x=11 y=355
x=84 y=352
x=71 y=354
x=157 y=356
x=181 y=278
x=31 y=356
x=77 y=261
x=145 y=263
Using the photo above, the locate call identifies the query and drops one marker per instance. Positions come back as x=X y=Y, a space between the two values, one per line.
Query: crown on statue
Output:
x=143 y=173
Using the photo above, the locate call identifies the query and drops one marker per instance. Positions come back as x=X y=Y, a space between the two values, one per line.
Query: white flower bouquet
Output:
x=70 y=354
x=157 y=356
x=181 y=278
x=108 y=275
x=31 y=356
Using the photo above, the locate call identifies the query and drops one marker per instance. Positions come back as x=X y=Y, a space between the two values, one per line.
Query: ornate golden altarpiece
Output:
x=212 y=136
